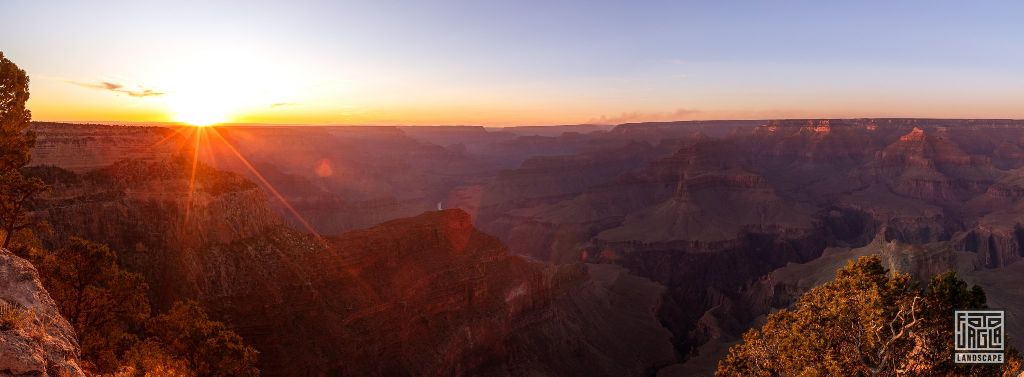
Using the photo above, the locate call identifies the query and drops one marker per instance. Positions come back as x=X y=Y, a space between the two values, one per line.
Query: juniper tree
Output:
x=865 y=322
x=16 y=143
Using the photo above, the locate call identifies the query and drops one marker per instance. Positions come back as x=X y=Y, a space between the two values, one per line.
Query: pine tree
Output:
x=16 y=143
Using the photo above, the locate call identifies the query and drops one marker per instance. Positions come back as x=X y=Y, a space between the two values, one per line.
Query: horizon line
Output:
x=256 y=124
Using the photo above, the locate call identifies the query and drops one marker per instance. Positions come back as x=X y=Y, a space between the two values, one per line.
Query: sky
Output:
x=515 y=62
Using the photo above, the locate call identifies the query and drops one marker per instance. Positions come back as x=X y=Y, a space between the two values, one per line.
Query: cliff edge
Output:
x=35 y=340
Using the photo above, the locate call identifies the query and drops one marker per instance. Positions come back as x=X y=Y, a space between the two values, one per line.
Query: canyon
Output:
x=638 y=249
x=426 y=295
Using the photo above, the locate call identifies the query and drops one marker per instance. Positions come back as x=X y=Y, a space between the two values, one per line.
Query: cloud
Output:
x=630 y=117
x=137 y=92
x=283 y=104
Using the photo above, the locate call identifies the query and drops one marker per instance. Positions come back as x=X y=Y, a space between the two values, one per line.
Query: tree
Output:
x=946 y=293
x=110 y=312
x=106 y=304
x=208 y=346
x=865 y=322
x=148 y=358
x=16 y=143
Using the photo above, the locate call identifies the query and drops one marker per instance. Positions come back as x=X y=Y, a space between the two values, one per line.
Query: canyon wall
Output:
x=699 y=220
x=84 y=147
x=428 y=295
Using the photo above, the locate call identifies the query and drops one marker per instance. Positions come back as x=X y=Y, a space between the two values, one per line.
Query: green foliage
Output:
x=106 y=304
x=210 y=348
x=945 y=294
x=16 y=143
x=148 y=358
x=110 y=312
x=864 y=322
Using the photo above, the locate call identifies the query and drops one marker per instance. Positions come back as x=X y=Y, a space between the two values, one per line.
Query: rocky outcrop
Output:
x=927 y=165
x=808 y=144
x=995 y=246
x=35 y=340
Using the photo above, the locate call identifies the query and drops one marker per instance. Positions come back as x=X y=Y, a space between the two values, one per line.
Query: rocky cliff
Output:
x=35 y=340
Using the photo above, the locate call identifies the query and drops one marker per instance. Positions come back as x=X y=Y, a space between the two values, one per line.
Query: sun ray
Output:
x=345 y=267
x=209 y=154
x=177 y=131
x=269 y=187
x=192 y=179
x=191 y=133
x=195 y=138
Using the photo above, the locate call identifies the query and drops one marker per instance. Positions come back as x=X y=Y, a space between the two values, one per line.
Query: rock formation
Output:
x=35 y=340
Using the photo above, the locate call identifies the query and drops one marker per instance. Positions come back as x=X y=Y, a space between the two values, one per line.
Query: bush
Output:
x=11 y=316
x=864 y=322
x=108 y=307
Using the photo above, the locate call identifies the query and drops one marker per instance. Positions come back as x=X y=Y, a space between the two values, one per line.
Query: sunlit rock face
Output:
x=654 y=132
x=81 y=148
x=35 y=340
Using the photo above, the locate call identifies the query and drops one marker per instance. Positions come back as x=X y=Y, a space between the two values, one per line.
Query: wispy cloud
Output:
x=283 y=104
x=635 y=116
x=136 y=91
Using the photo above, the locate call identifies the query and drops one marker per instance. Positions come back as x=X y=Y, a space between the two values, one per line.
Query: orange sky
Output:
x=455 y=62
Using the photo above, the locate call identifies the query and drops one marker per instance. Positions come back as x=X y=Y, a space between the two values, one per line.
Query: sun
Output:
x=225 y=84
x=199 y=111
x=200 y=118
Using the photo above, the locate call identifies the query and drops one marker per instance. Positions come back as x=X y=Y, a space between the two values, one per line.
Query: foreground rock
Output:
x=35 y=340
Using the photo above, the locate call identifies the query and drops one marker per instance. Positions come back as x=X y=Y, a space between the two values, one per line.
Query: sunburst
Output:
x=201 y=138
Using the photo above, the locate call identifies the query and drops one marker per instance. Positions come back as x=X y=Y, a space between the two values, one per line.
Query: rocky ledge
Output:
x=35 y=340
